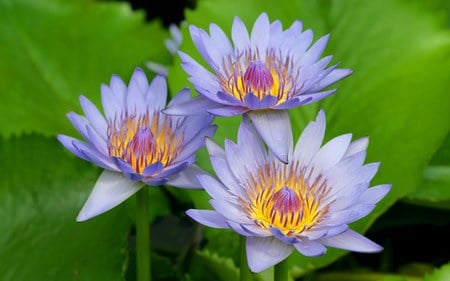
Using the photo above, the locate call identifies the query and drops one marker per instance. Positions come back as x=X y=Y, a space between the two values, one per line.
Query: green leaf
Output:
x=441 y=274
x=52 y=51
x=41 y=191
x=397 y=94
x=220 y=268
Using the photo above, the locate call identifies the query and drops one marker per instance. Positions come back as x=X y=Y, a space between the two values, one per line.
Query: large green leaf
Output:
x=440 y=274
x=397 y=95
x=52 y=51
x=41 y=192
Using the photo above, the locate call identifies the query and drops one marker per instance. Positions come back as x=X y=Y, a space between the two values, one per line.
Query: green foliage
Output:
x=397 y=95
x=441 y=274
x=52 y=51
x=42 y=190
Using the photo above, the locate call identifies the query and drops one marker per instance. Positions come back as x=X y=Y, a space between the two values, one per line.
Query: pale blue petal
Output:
x=375 y=194
x=213 y=187
x=310 y=248
x=195 y=106
x=156 y=94
x=264 y=252
x=274 y=126
x=230 y=210
x=240 y=36
x=314 y=53
x=357 y=146
x=227 y=111
x=112 y=105
x=67 y=142
x=353 y=241
x=260 y=35
x=93 y=115
x=208 y=218
x=310 y=140
x=110 y=190
x=187 y=178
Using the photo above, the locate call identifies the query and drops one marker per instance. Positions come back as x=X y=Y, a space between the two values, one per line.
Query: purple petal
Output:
x=310 y=248
x=331 y=153
x=357 y=146
x=221 y=41
x=110 y=190
x=274 y=126
x=196 y=35
x=230 y=210
x=67 y=142
x=291 y=103
x=93 y=115
x=314 y=53
x=238 y=162
x=195 y=106
x=136 y=90
x=254 y=103
x=310 y=140
x=239 y=34
x=94 y=155
x=227 y=111
x=324 y=231
x=187 y=178
x=375 y=194
x=208 y=218
x=282 y=237
x=226 y=176
x=260 y=34
x=353 y=241
x=152 y=168
x=228 y=99
x=118 y=88
x=332 y=77
x=313 y=97
x=80 y=123
x=112 y=105
x=184 y=95
x=156 y=94
x=264 y=252
x=196 y=142
x=237 y=227
x=214 y=149
x=250 y=142
x=213 y=187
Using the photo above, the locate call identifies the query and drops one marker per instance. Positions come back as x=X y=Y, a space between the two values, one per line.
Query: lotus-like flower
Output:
x=264 y=73
x=136 y=143
x=305 y=204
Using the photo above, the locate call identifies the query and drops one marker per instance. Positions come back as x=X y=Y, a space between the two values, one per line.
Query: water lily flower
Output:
x=304 y=205
x=135 y=142
x=263 y=73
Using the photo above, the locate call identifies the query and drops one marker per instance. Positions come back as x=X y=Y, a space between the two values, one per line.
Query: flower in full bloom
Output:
x=264 y=73
x=305 y=204
x=135 y=142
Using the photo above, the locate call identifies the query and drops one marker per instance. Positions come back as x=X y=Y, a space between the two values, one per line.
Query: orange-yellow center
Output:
x=142 y=141
x=281 y=198
x=248 y=73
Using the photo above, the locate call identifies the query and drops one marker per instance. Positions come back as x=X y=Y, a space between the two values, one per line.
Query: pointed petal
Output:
x=93 y=115
x=208 y=218
x=264 y=252
x=274 y=126
x=260 y=34
x=310 y=248
x=67 y=142
x=310 y=140
x=213 y=187
x=331 y=153
x=110 y=190
x=375 y=194
x=239 y=34
x=156 y=95
x=227 y=111
x=152 y=168
x=187 y=178
x=195 y=106
x=357 y=146
x=352 y=241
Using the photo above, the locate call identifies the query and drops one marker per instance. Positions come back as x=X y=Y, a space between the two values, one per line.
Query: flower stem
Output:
x=245 y=274
x=142 y=236
x=281 y=271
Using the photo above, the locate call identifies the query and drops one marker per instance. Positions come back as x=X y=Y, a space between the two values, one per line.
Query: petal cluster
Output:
x=135 y=138
x=305 y=204
x=268 y=68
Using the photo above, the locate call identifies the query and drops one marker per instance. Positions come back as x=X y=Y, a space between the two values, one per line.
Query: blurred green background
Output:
x=51 y=51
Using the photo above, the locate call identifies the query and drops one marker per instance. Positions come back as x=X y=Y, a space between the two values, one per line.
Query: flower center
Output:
x=281 y=198
x=257 y=79
x=247 y=73
x=142 y=141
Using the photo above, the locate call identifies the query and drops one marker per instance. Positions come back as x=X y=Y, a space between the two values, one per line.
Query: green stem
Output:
x=245 y=274
x=142 y=236
x=281 y=271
